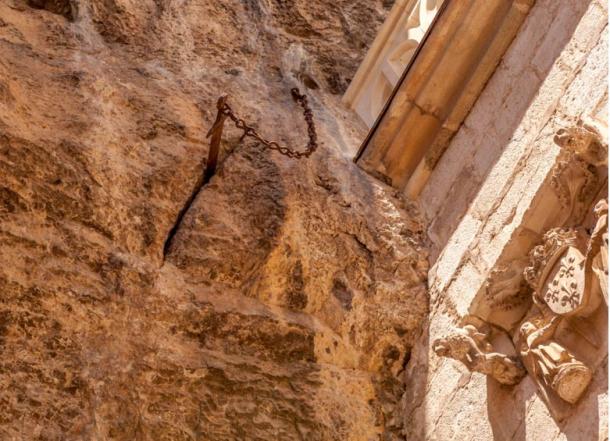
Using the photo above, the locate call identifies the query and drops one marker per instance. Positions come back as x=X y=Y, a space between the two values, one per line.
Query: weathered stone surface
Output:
x=289 y=299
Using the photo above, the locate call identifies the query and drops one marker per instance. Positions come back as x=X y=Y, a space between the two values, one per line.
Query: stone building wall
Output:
x=488 y=202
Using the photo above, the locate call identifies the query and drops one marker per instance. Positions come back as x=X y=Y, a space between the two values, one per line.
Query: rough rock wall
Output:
x=289 y=299
x=488 y=196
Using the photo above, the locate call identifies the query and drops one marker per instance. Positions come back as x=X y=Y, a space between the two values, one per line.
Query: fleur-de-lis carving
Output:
x=567 y=269
x=571 y=296
x=552 y=295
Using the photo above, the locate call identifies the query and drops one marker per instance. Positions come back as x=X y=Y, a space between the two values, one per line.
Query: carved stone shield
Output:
x=563 y=288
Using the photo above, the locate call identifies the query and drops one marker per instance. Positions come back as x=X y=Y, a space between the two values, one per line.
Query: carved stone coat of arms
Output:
x=568 y=275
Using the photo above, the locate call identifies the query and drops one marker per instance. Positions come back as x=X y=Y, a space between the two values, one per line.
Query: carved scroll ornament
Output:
x=551 y=365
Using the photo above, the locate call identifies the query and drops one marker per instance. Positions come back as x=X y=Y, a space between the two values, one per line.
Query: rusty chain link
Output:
x=312 y=145
x=225 y=111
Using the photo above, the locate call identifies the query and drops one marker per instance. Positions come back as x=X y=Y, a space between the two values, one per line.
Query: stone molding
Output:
x=438 y=90
x=388 y=56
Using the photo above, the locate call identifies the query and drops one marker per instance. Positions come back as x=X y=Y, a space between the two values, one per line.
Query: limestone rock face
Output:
x=288 y=301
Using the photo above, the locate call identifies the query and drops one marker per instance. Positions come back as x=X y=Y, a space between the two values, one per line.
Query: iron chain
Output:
x=312 y=145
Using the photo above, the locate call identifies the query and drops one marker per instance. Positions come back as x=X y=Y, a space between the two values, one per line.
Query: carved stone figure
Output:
x=576 y=175
x=472 y=347
x=506 y=295
x=551 y=365
x=585 y=141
